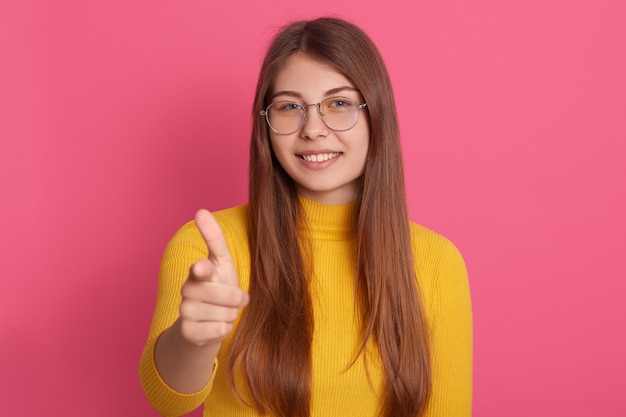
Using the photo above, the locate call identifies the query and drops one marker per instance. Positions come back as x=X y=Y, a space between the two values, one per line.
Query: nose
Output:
x=313 y=127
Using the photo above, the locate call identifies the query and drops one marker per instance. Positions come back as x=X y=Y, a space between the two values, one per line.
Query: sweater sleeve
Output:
x=451 y=338
x=184 y=249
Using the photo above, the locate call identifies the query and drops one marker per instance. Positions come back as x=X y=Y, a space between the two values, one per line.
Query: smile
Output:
x=320 y=157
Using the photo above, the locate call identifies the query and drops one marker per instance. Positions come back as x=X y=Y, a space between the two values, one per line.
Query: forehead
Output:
x=308 y=77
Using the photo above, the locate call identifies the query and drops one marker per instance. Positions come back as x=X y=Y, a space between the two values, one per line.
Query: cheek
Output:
x=363 y=143
x=279 y=150
x=275 y=147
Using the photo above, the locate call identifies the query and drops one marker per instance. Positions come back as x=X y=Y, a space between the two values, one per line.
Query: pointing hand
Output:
x=211 y=295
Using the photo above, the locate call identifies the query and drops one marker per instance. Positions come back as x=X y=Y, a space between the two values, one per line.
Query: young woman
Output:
x=319 y=297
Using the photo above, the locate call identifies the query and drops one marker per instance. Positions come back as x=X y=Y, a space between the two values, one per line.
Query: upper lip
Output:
x=316 y=152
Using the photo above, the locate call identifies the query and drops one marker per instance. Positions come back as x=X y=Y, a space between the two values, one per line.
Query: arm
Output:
x=186 y=333
x=451 y=339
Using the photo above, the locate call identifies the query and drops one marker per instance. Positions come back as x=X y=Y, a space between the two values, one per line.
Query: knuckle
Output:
x=233 y=313
x=188 y=331
x=193 y=269
x=207 y=332
x=198 y=269
x=222 y=329
x=186 y=290
x=236 y=297
x=186 y=309
x=215 y=331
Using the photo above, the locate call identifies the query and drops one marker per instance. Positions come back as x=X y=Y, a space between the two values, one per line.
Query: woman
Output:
x=352 y=309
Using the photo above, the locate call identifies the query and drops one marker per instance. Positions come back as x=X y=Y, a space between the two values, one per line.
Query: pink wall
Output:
x=118 y=119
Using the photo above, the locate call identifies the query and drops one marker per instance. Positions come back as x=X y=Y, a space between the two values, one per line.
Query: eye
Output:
x=338 y=105
x=339 y=102
x=286 y=106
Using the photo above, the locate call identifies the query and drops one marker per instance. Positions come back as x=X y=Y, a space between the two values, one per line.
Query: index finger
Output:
x=213 y=236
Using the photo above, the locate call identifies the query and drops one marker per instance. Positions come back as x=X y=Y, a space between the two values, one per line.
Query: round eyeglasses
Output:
x=337 y=113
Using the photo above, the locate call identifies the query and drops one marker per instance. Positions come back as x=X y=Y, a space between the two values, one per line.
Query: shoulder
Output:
x=234 y=220
x=439 y=265
x=431 y=247
x=188 y=240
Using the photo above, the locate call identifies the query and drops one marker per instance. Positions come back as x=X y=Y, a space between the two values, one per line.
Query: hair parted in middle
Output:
x=271 y=348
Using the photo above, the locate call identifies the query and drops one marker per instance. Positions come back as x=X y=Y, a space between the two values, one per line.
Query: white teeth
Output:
x=320 y=157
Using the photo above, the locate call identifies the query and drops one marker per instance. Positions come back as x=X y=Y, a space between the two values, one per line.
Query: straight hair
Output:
x=271 y=348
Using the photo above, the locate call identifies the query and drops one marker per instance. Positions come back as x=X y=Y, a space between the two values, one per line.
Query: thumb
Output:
x=213 y=236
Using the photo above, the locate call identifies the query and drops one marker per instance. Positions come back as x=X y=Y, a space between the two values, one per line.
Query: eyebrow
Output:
x=296 y=94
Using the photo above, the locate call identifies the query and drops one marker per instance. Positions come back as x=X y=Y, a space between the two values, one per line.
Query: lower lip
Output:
x=318 y=166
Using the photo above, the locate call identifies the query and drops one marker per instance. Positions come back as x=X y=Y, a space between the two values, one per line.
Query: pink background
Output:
x=118 y=119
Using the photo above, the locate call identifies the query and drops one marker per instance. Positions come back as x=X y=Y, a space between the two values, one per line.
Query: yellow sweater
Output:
x=338 y=389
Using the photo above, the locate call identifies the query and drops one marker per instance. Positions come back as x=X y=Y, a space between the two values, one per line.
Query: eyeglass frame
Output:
x=306 y=113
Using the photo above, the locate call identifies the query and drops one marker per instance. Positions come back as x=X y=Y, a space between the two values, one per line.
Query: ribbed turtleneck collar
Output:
x=329 y=222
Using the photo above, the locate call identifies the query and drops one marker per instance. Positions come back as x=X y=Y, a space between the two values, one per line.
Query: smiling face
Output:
x=325 y=164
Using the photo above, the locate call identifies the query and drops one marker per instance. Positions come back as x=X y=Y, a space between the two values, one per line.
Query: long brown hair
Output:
x=272 y=346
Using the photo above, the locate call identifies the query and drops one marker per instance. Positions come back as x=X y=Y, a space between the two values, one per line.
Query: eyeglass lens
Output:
x=337 y=113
